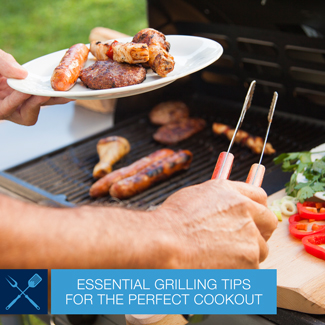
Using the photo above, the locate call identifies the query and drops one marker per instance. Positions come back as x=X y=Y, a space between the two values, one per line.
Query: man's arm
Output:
x=217 y=224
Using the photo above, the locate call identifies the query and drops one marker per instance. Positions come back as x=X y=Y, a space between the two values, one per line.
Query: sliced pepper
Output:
x=299 y=229
x=109 y=52
x=311 y=210
x=312 y=243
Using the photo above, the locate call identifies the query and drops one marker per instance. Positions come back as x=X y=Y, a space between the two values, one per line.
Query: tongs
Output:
x=225 y=160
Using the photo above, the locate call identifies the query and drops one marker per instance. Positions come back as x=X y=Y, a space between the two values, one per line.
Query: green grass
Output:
x=32 y=28
x=29 y=320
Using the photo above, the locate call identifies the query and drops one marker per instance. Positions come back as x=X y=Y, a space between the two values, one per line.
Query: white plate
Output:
x=191 y=54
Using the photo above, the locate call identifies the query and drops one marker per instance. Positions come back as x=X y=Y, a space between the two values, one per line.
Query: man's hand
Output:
x=16 y=106
x=219 y=224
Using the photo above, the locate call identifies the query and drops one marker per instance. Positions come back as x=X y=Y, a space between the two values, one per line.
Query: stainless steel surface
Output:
x=246 y=106
x=57 y=127
x=270 y=119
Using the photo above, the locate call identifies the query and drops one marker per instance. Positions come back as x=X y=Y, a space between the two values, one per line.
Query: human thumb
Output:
x=10 y=68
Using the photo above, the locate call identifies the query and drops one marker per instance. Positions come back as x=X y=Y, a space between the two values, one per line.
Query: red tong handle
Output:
x=256 y=175
x=252 y=178
x=226 y=168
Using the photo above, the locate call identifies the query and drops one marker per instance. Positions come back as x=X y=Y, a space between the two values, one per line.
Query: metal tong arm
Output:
x=226 y=158
x=257 y=171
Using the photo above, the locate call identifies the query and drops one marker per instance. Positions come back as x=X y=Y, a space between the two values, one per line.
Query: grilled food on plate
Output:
x=169 y=112
x=110 y=150
x=132 y=53
x=244 y=138
x=147 y=177
x=102 y=186
x=160 y=61
x=112 y=74
x=66 y=74
x=173 y=133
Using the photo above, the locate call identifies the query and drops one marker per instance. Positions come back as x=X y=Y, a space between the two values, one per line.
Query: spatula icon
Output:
x=32 y=283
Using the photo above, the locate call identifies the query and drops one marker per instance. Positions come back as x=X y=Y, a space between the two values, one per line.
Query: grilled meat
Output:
x=111 y=74
x=121 y=52
x=160 y=61
x=66 y=74
x=110 y=150
x=102 y=186
x=147 y=177
x=173 y=133
x=244 y=138
x=169 y=112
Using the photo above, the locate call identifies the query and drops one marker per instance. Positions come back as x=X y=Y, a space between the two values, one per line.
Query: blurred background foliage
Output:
x=31 y=28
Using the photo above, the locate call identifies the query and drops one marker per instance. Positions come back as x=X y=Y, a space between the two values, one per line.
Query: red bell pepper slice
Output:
x=311 y=210
x=299 y=229
x=312 y=243
x=109 y=52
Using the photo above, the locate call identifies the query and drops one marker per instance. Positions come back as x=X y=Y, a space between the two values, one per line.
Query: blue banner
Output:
x=163 y=292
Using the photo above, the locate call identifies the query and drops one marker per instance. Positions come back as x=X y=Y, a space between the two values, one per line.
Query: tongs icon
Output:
x=225 y=160
x=32 y=283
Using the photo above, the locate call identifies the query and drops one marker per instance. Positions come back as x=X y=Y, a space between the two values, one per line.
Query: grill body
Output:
x=68 y=172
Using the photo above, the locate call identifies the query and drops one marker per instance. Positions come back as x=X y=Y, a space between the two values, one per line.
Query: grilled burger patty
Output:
x=173 y=133
x=111 y=74
x=169 y=112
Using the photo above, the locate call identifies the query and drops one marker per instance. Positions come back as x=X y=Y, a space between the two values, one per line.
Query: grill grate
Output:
x=69 y=171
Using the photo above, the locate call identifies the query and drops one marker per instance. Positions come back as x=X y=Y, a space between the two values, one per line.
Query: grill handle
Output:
x=32 y=193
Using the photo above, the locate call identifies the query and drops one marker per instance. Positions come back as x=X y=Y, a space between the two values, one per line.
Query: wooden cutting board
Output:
x=300 y=276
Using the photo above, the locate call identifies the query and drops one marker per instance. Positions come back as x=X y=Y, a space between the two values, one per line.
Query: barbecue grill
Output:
x=280 y=44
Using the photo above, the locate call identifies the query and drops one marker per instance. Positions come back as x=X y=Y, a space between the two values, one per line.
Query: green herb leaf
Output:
x=304 y=194
x=318 y=187
x=300 y=163
x=305 y=157
x=301 y=185
x=279 y=159
x=319 y=166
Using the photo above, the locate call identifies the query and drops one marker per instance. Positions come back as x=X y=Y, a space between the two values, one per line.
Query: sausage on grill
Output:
x=66 y=74
x=102 y=186
x=147 y=177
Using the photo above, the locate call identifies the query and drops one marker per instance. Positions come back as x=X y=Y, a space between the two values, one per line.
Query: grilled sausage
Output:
x=102 y=186
x=110 y=150
x=66 y=74
x=147 y=177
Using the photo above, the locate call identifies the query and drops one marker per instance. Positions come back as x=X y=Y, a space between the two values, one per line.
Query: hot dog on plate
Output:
x=66 y=74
